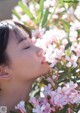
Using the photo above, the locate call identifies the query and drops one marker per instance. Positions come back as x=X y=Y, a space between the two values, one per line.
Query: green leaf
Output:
x=48 y=20
x=39 y=18
x=68 y=51
x=61 y=2
x=16 y=14
x=29 y=108
x=66 y=25
x=26 y=10
x=64 y=110
x=52 y=13
x=45 y=17
x=68 y=45
x=41 y=7
x=40 y=13
x=76 y=17
x=78 y=31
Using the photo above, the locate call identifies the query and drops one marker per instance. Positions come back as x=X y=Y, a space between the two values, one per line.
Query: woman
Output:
x=21 y=62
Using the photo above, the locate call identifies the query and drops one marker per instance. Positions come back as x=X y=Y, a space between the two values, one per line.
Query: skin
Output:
x=25 y=66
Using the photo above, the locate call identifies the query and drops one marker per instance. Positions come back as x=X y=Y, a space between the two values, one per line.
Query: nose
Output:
x=40 y=51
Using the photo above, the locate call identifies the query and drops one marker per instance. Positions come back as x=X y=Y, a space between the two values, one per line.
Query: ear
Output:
x=4 y=74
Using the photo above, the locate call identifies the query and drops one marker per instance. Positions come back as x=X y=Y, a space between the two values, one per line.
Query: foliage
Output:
x=55 y=27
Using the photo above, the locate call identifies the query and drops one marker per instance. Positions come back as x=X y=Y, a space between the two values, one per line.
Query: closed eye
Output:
x=27 y=47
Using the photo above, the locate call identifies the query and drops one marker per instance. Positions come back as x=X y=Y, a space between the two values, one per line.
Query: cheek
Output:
x=26 y=64
x=31 y=67
x=31 y=63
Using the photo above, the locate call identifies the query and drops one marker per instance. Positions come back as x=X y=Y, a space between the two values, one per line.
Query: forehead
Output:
x=18 y=32
x=18 y=29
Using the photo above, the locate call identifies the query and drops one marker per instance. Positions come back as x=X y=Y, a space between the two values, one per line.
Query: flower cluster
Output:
x=59 y=49
x=55 y=27
x=53 y=100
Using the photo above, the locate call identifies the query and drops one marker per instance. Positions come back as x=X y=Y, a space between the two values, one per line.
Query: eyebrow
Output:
x=22 y=39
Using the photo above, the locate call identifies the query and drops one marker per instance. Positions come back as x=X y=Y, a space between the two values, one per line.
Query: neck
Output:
x=16 y=94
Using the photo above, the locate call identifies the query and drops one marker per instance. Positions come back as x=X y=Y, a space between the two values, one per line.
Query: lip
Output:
x=44 y=61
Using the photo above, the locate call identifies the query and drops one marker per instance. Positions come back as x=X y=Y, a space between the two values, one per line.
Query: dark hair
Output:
x=4 y=36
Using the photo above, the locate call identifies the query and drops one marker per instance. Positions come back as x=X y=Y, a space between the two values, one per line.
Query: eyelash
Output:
x=27 y=47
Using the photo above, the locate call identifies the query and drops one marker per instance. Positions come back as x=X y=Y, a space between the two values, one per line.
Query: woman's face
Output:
x=26 y=59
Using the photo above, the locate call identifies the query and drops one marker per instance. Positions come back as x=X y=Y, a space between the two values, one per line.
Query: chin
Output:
x=45 y=71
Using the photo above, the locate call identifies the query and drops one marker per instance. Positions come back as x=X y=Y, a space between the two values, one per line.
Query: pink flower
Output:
x=64 y=41
x=79 y=111
x=34 y=101
x=77 y=11
x=73 y=35
x=69 y=110
x=78 y=50
x=47 y=89
x=58 y=53
x=72 y=61
x=75 y=25
x=37 y=109
x=21 y=107
x=76 y=47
